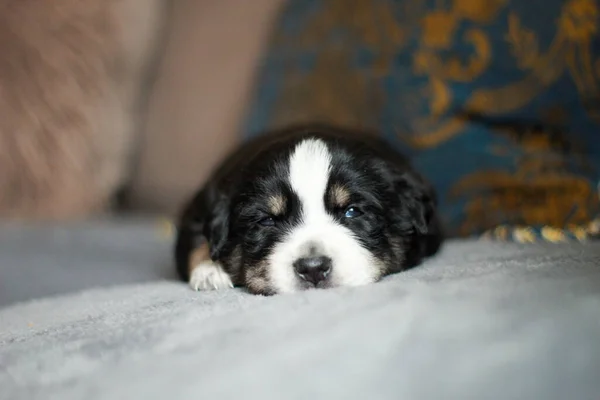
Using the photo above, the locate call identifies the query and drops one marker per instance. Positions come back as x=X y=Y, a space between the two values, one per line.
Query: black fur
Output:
x=399 y=224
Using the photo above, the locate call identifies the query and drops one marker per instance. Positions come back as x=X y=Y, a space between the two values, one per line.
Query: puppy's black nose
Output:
x=313 y=269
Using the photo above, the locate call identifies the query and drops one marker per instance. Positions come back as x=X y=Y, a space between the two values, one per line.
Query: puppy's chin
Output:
x=256 y=279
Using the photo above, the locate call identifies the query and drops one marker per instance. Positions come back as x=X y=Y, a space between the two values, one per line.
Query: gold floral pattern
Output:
x=579 y=20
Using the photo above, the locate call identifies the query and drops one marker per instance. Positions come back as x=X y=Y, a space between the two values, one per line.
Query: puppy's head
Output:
x=323 y=214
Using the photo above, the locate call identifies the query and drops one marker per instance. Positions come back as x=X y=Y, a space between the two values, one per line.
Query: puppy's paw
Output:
x=209 y=275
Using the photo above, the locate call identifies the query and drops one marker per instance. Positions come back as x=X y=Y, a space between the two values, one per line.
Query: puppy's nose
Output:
x=313 y=269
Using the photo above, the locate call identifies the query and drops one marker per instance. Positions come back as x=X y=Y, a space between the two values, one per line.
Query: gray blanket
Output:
x=480 y=321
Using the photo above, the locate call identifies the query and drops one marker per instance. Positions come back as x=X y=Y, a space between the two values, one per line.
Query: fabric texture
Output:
x=496 y=101
x=482 y=320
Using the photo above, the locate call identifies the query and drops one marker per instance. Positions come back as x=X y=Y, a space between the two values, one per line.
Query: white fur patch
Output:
x=352 y=264
x=209 y=275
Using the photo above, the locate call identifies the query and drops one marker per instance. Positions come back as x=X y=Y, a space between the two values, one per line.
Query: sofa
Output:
x=99 y=314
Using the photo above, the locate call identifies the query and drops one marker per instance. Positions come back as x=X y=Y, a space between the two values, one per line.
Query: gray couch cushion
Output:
x=481 y=321
x=43 y=260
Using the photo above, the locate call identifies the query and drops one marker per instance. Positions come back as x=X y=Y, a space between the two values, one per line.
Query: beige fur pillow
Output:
x=70 y=75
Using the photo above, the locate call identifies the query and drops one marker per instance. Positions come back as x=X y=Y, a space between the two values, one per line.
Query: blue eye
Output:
x=352 y=212
x=268 y=221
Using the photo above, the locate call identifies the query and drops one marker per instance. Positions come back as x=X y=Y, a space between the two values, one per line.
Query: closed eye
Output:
x=267 y=221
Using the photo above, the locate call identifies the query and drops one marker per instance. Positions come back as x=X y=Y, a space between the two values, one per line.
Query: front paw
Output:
x=209 y=275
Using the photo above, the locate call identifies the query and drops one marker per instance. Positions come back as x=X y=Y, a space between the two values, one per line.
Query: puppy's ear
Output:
x=190 y=235
x=417 y=217
x=205 y=219
x=215 y=220
x=217 y=226
x=418 y=200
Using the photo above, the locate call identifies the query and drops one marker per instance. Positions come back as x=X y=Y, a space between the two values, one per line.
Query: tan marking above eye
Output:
x=339 y=195
x=277 y=204
x=198 y=256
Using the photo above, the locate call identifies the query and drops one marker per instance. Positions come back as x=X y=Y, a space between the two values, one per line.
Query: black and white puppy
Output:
x=313 y=206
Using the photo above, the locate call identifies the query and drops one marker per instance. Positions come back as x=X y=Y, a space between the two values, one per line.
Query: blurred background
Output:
x=123 y=107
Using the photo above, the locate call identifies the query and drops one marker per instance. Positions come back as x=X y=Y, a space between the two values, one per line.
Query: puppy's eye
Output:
x=352 y=212
x=268 y=221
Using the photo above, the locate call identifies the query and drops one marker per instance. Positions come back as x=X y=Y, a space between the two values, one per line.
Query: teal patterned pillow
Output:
x=496 y=101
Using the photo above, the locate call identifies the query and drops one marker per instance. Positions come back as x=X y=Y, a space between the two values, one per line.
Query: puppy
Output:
x=307 y=207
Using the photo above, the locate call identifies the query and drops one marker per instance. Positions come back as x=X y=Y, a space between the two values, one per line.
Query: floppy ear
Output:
x=216 y=228
x=418 y=201
x=190 y=235
x=418 y=215
x=204 y=219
